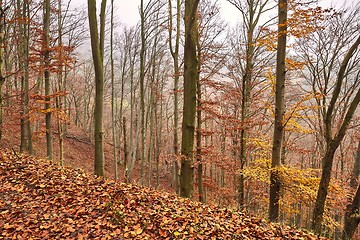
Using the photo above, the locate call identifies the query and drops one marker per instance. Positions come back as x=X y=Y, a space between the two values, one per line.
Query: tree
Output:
x=113 y=90
x=147 y=27
x=175 y=55
x=97 y=47
x=49 y=148
x=333 y=140
x=251 y=11
x=142 y=87
x=24 y=30
x=189 y=107
x=2 y=78
x=356 y=169
x=352 y=218
x=275 y=183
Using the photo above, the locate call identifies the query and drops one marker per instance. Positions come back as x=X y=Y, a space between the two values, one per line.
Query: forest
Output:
x=260 y=116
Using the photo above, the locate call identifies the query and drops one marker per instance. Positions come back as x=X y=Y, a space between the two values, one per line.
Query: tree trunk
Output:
x=113 y=91
x=2 y=79
x=48 y=110
x=356 y=170
x=24 y=29
x=126 y=153
x=175 y=55
x=275 y=183
x=97 y=47
x=60 y=104
x=142 y=92
x=352 y=217
x=198 y=139
x=333 y=142
x=189 y=107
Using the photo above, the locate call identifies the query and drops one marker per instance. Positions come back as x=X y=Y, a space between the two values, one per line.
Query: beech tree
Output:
x=275 y=183
x=352 y=219
x=174 y=50
x=2 y=77
x=49 y=147
x=189 y=107
x=333 y=140
x=23 y=10
x=251 y=12
x=97 y=47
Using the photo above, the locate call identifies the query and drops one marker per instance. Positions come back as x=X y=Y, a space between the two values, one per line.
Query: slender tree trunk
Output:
x=97 y=46
x=189 y=107
x=159 y=126
x=199 y=123
x=126 y=153
x=60 y=104
x=142 y=92
x=133 y=123
x=113 y=90
x=2 y=79
x=356 y=169
x=275 y=183
x=245 y=98
x=175 y=55
x=48 y=110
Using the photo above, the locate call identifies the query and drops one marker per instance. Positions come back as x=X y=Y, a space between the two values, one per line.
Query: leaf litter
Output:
x=41 y=200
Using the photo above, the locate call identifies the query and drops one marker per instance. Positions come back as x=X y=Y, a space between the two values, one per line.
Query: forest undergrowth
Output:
x=42 y=200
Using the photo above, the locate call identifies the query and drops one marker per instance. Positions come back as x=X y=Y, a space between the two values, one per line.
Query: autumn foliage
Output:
x=41 y=200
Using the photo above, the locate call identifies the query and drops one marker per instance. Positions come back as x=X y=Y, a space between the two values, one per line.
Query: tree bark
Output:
x=356 y=170
x=2 y=79
x=126 y=152
x=113 y=91
x=198 y=129
x=275 y=183
x=48 y=110
x=352 y=217
x=142 y=92
x=26 y=137
x=175 y=55
x=97 y=47
x=189 y=107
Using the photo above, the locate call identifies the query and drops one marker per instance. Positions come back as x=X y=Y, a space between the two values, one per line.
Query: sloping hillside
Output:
x=40 y=200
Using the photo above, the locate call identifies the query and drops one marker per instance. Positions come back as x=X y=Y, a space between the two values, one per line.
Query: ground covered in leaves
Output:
x=40 y=200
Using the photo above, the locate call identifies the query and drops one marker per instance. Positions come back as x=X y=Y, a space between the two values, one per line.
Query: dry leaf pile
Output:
x=40 y=200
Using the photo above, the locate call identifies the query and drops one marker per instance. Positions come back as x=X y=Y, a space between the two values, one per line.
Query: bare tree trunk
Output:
x=175 y=54
x=199 y=123
x=2 y=79
x=275 y=183
x=142 y=92
x=352 y=217
x=97 y=46
x=60 y=104
x=26 y=138
x=356 y=169
x=48 y=110
x=133 y=124
x=126 y=152
x=189 y=108
x=113 y=91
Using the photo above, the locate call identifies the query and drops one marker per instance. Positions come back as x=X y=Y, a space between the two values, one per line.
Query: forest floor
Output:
x=42 y=200
x=78 y=152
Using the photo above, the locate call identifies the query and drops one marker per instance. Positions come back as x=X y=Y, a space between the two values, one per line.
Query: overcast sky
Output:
x=128 y=12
